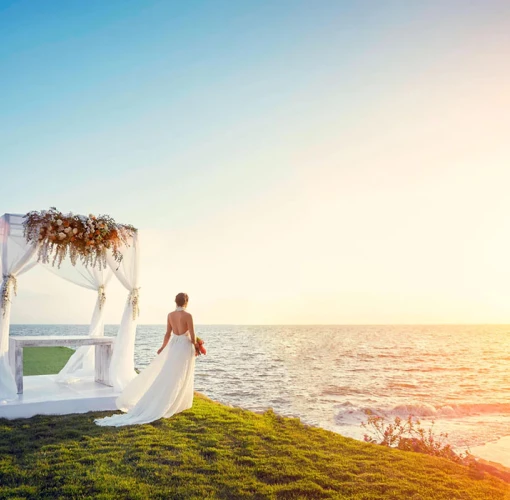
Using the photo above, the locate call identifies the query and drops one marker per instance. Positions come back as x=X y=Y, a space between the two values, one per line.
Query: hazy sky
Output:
x=286 y=162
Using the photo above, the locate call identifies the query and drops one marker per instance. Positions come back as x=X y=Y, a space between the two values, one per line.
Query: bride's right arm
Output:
x=167 y=334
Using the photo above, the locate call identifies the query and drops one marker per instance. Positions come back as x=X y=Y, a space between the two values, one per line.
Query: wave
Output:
x=349 y=413
x=456 y=410
x=345 y=390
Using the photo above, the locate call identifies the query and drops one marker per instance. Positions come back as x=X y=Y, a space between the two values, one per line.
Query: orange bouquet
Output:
x=199 y=347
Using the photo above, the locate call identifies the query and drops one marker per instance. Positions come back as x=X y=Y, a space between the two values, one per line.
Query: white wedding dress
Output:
x=163 y=389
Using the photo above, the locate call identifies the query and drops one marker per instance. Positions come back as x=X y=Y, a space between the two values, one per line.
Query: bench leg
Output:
x=16 y=362
x=103 y=358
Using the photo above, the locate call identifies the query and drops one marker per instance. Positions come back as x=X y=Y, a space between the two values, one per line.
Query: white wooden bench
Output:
x=104 y=347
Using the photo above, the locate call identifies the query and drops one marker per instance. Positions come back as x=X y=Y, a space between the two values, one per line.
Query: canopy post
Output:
x=8 y=388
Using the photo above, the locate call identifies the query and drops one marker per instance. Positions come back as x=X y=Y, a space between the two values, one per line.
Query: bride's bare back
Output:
x=179 y=321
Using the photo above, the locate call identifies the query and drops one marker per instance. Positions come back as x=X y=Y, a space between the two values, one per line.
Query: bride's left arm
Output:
x=167 y=334
x=191 y=329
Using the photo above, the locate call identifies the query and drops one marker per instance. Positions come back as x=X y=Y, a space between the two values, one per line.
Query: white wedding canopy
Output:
x=18 y=257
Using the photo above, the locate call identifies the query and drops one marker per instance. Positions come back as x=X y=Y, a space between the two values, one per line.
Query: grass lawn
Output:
x=213 y=451
x=44 y=360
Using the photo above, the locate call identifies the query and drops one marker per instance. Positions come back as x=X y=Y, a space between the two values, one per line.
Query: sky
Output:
x=290 y=162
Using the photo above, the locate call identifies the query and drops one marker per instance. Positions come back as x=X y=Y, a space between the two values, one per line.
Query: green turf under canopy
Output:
x=45 y=360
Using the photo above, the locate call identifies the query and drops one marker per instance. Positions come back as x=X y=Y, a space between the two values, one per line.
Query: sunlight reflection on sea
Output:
x=329 y=375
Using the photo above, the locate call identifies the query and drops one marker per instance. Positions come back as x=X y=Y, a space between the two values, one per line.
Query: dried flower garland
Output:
x=82 y=238
x=101 y=295
x=134 y=298
x=9 y=283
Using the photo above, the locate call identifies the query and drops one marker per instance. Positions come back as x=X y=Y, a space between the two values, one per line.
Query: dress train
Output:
x=162 y=389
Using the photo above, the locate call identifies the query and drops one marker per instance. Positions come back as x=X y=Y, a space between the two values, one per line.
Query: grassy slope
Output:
x=213 y=451
x=44 y=360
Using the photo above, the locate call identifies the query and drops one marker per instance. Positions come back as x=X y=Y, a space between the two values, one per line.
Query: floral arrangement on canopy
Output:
x=82 y=238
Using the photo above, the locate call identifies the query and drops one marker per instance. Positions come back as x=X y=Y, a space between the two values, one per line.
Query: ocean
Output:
x=457 y=376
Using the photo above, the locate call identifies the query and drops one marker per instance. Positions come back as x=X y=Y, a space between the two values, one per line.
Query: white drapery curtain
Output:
x=82 y=363
x=17 y=258
x=122 y=367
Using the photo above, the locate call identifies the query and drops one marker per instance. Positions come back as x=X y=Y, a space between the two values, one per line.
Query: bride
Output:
x=165 y=387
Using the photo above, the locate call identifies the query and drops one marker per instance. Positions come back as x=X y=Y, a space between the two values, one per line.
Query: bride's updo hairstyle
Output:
x=181 y=299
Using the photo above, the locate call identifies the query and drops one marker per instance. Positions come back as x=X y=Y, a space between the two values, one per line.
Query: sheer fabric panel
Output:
x=122 y=367
x=17 y=258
